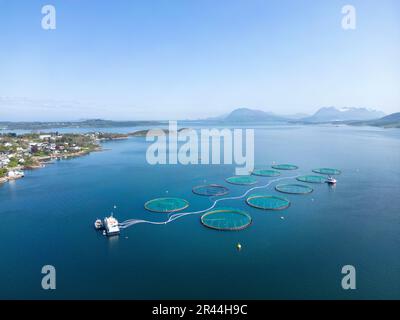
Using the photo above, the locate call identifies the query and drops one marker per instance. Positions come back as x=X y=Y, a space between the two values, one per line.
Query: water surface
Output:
x=47 y=218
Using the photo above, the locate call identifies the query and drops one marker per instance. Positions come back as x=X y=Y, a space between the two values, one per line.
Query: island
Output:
x=154 y=132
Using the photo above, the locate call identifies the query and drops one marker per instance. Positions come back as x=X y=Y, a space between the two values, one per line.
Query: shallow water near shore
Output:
x=47 y=218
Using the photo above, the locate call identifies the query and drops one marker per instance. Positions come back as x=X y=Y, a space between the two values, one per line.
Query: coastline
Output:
x=42 y=161
x=47 y=147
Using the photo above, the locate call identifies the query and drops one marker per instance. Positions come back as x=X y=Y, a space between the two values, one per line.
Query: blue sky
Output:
x=181 y=59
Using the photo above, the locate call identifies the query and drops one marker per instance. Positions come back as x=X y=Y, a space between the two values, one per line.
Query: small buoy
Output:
x=104 y=232
x=312 y=199
x=283 y=218
x=239 y=246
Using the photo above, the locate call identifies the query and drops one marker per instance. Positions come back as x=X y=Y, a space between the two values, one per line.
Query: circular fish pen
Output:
x=226 y=219
x=285 y=166
x=266 y=173
x=242 y=180
x=166 y=205
x=210 y=190
x=312 y=179
x=294 y=188
x=268 y=202
x=327 y=171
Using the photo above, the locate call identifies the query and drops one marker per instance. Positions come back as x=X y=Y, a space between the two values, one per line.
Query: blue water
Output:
x=47 y=218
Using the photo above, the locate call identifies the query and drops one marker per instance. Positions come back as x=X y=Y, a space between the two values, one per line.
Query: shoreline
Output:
x=48 y=147
x=49 y=160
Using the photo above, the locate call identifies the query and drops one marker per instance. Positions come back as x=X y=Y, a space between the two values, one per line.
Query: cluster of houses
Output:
x=19 y=154
x=49 y=146
x=18 y=150
x=15 y=154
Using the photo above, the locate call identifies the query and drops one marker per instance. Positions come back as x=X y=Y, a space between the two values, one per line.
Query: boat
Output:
x=111 y=226
x=15 y=174
x=331 y=180
x=98 y=224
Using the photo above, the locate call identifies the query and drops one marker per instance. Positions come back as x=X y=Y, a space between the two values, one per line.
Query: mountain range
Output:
x=323 y=115
x=350 y=116
x=331 y=114
x=251 y=115
x=390 y=121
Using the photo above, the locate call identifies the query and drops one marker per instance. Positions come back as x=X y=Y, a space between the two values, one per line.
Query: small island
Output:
x=33 y=150
x=154 y=132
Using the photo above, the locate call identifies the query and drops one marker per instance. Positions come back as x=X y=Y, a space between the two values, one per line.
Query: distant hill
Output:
x=389 y=121
x=91 y=123
x=331 y=114
x=250 y=115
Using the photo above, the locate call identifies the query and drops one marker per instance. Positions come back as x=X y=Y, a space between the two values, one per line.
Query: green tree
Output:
x=3 y=172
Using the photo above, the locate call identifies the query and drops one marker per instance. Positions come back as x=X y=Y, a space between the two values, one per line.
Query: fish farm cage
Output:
x=267 y=202
x=242 y=180
x=166 y=205
x=226 y=219
x=266 y=173
x=284 y=166
x=312 y=179
x=327 y=171
x=294 y=188
x=210 y=190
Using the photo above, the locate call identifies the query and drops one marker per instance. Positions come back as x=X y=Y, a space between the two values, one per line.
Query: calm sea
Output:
x=47 y=218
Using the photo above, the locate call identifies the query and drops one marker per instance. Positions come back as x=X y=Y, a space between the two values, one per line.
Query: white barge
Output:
x=111 y=226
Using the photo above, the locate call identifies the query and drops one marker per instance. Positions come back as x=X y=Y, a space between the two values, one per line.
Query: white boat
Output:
x=16 y=174
x=331 y=180
x=98 y=224
x=111 y=226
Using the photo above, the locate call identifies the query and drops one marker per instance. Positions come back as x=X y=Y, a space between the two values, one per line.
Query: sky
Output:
x=181 y=59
